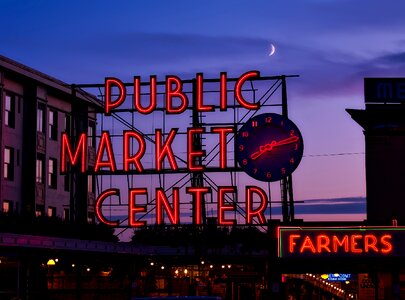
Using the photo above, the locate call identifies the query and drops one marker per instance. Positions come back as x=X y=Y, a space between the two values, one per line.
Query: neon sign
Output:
x=176 y=101
x=341 y=241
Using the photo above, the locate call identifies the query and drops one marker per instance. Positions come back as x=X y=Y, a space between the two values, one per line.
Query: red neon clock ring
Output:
x=269 y=147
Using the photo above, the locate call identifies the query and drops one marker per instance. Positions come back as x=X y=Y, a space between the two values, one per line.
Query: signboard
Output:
x=384 y=90
x=339 y=277
x=269 y=147
x=332 y=242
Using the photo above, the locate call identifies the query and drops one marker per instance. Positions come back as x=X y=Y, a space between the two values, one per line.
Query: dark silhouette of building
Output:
x=383 y=122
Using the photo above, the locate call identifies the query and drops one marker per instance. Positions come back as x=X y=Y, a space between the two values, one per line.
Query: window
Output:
x=9 y=111
x=40 y=117
x=52 y=178
x=53 y=125
x=8 y=163
x=90 y=218
x=91 y=134
x=51 y=212
x=66 y=214
x=39 y=210
x=67 y=124
x=40 y=169
x=7 y=206
x=90 y=184
x=66 y=179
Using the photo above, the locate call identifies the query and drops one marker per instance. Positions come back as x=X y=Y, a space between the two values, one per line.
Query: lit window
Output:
x=7 y=206
x=8 y=163
x=39 y=210
x=51 y=211
x=52 y=178
x=40 y=169
x=53 y=125
x=40 y=118
x=9 y=111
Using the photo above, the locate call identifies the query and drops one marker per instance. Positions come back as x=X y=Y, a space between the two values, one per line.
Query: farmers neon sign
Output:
x=340 y=241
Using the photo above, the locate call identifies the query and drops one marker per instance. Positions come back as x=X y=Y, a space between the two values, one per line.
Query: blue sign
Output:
x=339 y=277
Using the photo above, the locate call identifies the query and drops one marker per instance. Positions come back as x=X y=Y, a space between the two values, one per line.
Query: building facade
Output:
x=35 y=110
x=383 y=125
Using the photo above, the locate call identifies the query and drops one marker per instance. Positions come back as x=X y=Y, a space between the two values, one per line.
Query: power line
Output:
x=335 y=154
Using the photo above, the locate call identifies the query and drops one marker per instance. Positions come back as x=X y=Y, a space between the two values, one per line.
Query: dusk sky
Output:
x=331 y=44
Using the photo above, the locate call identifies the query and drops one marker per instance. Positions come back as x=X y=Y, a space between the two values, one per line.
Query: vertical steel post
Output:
x=287 y=197
x=197 y=179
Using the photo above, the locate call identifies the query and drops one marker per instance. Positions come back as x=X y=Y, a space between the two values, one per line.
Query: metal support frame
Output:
x=198 y=179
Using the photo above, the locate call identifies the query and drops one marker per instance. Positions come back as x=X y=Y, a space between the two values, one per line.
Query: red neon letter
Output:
x=354 y=242
x=74 y=158
x=259 y=212
x=137 y=95
x=199 y=94
x=222 y=190
x=172 y=213
x=133 y=209
x=322 y=242
x=344 y=242
x=165 y=149
x=370 y=241
x=222 y=143
x=105 y=143
x=193 y=136
x=99 y=204
x=385 y=240
x=109 y=104
x=238 y=90
x=176 y=92
x=307 y=244
x=136 y=158
x=223 y=92
x=197 y=193
x=291 y=242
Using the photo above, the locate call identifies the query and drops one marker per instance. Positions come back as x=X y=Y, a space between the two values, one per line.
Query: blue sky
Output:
x=331 y=44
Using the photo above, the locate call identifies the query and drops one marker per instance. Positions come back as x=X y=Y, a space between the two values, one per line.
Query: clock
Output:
x=269 y=147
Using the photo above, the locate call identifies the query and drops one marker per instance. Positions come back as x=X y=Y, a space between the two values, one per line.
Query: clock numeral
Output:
x=244 y=162
x=296 y=147
x=268 y=175
x=283 y=171
x=268 y=120
x=254 y=124
x=292 y=160
x=245 y=134
x=292 y=132
x=254 y=170
x=241 y=147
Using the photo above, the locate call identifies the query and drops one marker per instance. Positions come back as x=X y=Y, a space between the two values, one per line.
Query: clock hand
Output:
x=270 y=146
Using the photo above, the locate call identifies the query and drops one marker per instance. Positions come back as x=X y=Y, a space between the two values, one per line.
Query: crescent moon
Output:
x=272 y=49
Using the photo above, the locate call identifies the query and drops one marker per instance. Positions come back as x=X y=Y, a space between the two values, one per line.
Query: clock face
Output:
x=269 y=147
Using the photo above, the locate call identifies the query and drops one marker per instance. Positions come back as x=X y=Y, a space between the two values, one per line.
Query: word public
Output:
x=176 y=102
